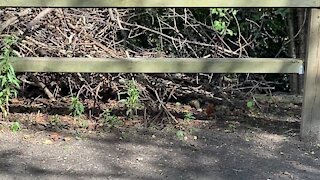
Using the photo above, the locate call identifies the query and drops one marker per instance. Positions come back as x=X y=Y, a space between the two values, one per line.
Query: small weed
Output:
x=248 y=137
x=15 y=127
x=230 y=128
x=76 y=107
x=188 y=116
x=132 y=102
x=193 y=130
x=110 y=120
x=54 y=121
x=9 y=83
x=84 y=124
x=180 y=134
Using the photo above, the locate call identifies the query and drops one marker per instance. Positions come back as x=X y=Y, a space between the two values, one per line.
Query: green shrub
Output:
x=9 y=83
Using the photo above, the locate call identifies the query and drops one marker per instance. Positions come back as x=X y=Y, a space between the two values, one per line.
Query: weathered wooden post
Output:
x=310 y=125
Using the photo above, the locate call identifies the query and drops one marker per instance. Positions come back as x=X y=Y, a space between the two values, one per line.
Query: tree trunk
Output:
x=302 y=21
x=292 y=50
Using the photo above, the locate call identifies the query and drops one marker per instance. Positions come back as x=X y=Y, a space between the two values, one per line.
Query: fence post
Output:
x=310 y=125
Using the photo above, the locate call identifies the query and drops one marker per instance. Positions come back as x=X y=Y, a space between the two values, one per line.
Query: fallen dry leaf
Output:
x=16 y=101
x=66 y=139
x=91 y=126
x=47 y=142
x=55 y=136
x=27 y=136
x=40 y=119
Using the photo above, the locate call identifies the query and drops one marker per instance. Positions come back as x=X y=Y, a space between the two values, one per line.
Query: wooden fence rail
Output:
x=159 y=3
x=158 y=65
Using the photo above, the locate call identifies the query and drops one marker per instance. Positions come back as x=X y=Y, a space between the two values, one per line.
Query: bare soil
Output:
x=264 y=144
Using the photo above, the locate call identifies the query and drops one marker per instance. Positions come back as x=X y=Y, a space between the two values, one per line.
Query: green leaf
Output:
x=214 y=11
x=16 y=83
x=250 y=104
x=230 y=32
x=11 y=70
x=3 y=82
x=15 y=127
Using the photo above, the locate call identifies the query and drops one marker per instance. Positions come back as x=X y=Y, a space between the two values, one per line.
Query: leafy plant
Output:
x=132 y=102
x=54 y=121
x=9 y=83
x=223 y=18
x=109 y=119
x=188 y=116
x=76 y=107
x=15 y=127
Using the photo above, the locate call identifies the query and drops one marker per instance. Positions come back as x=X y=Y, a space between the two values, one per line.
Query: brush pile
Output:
x=124 y=33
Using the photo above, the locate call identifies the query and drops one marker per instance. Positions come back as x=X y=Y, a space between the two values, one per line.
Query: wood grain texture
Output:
x=157 y=65
x=159 y=3
x=310 y=126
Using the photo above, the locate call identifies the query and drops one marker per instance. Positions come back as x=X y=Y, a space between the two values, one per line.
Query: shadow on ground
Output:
x=139 y=155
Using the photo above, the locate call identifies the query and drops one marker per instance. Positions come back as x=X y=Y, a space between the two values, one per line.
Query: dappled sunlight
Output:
x=214 y=154
x=267 y=145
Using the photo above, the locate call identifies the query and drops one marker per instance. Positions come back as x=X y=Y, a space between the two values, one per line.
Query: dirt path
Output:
x=158 y=155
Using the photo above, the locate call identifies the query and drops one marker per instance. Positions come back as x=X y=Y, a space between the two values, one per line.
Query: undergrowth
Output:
x=9 y=83
x=76 y=107
x=110 y=120
x=133 y=100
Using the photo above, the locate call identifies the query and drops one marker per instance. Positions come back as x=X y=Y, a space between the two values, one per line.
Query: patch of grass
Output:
x=76 y=107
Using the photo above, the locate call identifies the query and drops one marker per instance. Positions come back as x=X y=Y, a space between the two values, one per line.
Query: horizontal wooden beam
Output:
x=156 y=65
x=159 y=3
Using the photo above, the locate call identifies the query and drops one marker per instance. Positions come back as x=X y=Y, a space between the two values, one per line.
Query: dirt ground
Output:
x=143 y=154
x=255 y=148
